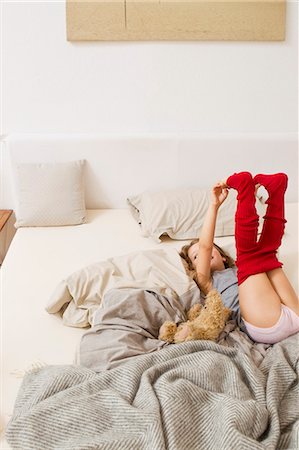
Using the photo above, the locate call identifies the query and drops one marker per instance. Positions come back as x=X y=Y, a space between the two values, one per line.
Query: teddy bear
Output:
x=204 y=322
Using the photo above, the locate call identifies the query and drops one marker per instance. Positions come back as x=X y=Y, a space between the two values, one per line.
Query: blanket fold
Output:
x=80 y=295
x=193 y=395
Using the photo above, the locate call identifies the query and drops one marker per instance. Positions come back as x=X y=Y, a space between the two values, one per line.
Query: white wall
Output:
x=51 y=85
x=121 y=166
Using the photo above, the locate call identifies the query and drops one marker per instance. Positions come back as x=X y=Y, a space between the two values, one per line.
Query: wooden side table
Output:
x=7 y=231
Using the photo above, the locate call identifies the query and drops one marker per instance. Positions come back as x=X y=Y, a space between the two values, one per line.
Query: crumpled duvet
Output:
x=126 y=299
x=80 y=295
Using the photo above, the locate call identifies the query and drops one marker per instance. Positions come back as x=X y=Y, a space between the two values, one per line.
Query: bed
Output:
x=40 y=257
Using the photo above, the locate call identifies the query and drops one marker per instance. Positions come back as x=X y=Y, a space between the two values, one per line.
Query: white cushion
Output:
x=50 y=194
x=180 y=213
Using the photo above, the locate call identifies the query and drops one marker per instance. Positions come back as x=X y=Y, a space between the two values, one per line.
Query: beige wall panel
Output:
x=94 y=20
x=241 y=20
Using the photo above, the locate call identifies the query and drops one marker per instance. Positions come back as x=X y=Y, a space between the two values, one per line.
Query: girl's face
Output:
x=217 y=261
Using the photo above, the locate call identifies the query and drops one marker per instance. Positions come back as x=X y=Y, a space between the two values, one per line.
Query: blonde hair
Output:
x=228 y=263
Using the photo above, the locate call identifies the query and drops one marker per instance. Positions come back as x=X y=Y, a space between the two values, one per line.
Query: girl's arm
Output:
x=203 y=260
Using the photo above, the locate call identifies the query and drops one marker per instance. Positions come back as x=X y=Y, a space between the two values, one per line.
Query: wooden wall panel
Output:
x=113 y=20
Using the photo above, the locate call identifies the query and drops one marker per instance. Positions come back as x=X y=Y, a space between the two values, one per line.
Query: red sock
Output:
x=246 y=218
x=257 y=257
x=274 y=219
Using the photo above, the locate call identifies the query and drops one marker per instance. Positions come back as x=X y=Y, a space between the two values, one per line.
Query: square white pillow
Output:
x=180 y=213
x=50 y=194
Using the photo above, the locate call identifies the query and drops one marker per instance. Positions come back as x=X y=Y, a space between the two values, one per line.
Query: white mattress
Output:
x=39 y=258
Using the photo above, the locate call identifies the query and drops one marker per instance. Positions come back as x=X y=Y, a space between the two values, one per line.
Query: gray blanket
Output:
x=127 y=324
x=196 y=395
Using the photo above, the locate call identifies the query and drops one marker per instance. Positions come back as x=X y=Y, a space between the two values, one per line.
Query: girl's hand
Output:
x=219 y=194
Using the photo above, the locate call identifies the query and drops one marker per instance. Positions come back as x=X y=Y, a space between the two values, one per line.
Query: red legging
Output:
x=258 y=256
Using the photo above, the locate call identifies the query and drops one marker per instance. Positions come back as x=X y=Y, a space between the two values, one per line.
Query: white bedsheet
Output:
x=39 y=258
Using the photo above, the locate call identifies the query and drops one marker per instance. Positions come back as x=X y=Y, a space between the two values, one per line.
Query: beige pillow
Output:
x=50 y=194
x=180 y=213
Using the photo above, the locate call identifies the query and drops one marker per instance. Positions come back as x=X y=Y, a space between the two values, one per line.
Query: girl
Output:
x=258 y=292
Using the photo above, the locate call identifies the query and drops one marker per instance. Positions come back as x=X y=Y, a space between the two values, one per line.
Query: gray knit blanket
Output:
x=196 y=395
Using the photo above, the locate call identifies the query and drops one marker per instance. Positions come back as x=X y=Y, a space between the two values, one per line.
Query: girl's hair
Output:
x=229 y=262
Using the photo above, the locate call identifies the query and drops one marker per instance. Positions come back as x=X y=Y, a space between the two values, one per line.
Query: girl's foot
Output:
x=223 y=184
x=273 y=182
x=239 y=180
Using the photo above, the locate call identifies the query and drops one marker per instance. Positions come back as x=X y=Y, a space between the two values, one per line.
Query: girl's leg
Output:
x=272 y=233
x=258 y=257
x=260 y=305
x=246 y=224
x=274 y=219
x=284 y=289
x=246 y=217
